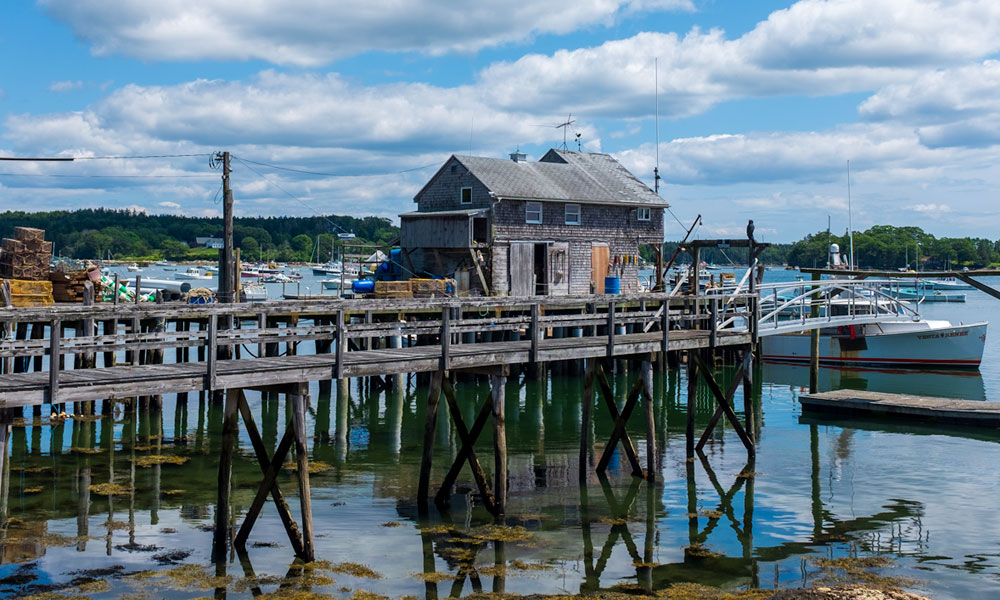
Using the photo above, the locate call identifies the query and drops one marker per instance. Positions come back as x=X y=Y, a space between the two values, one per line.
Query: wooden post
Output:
x=586 y=405
x=430 y=425
x=55 y=360
x=611 y=330
x=226 y=256
x=341 y=345
x=210 y=354
x=302 y=459
x=138 y=283
x=498 y=384
x=814 y=342
x=713 y=325
x=693 y=285
x=692 y=400
x=647 y=389
x=748 y=414
x=220 y=542
x=445 y=336
x=535 y=316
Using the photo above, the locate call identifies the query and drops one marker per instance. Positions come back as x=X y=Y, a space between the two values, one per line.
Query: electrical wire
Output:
x=287 y=193
x=63 y=175
x=270 y=166
x=76 y=158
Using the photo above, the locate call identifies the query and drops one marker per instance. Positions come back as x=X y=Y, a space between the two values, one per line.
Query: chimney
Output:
x=518 y=156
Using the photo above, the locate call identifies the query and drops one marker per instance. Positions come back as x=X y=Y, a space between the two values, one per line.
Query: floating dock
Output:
x=905 y=406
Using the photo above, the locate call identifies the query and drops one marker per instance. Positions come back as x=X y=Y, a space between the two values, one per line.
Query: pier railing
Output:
x=801 y=305
x=138 y=334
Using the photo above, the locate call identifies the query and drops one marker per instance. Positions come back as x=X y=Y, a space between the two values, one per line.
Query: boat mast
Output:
x=850 y=224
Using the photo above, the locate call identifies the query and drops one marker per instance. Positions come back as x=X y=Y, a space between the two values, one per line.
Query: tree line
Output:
x=889 y=247
x=131 y=235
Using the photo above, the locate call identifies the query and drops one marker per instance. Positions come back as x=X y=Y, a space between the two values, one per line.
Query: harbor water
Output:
x=922 y=499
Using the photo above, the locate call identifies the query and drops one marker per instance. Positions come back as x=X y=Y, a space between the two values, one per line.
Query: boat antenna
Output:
x=656 y=103
x=850 y=225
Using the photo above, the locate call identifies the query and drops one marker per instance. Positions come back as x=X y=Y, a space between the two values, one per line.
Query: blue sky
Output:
x=761 y=103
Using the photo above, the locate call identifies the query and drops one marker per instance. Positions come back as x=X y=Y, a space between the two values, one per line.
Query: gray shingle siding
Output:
x=443 y=192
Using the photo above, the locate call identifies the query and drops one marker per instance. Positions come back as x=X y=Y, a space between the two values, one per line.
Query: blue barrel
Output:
x=612 y=285
x=363 y=286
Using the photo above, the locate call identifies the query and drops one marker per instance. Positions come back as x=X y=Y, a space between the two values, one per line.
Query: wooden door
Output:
x=559 y=268
x=520 y=265
x=599 y=258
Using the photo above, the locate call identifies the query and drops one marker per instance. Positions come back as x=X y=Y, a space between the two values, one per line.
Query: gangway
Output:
x=794 y=307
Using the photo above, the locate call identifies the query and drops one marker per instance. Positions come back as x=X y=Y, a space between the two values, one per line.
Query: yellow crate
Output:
x=25 y=294
x=21 y=287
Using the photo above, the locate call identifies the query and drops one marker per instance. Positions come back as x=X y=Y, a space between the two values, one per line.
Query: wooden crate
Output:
x=29 y=234
x=431 y=288
x=30 y=293
x=393 y=289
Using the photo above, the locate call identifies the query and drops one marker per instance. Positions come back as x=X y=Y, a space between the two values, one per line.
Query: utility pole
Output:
x=226 y=267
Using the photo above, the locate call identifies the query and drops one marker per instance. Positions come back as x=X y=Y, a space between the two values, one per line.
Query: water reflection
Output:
x=965 y=385
x=128 y=486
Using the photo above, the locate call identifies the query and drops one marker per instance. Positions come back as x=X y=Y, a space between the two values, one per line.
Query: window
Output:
x=466 y=195
x=533 y=212
x=572 y=214
x=642 y=214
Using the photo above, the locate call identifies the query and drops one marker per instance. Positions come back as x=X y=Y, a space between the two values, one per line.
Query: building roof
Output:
x=563 y=176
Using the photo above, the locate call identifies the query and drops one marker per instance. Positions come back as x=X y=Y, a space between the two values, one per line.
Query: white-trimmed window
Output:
x=465 y=195
x=572 y=214
x=533 y=212
x=642 y=214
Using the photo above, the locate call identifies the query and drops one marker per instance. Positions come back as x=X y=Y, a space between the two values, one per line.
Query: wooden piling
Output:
x=498 y=384
x=302 y=460
x=430 y=425
x=220 y=540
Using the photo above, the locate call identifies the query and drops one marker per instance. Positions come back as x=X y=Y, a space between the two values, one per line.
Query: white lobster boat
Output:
x=908 y=343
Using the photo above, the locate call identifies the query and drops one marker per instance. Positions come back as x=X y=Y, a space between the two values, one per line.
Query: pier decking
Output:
x=905 y=406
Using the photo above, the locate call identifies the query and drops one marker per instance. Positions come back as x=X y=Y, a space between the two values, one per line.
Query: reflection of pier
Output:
x=391 y=338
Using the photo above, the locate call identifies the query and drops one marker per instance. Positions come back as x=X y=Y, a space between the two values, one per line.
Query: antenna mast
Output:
x=569 y=121
x=656 y=102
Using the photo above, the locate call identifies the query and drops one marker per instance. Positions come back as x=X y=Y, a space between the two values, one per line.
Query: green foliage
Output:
x=103 y=233
x=889 y=247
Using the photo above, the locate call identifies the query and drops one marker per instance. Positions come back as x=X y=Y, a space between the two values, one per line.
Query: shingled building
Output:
x=511 y=227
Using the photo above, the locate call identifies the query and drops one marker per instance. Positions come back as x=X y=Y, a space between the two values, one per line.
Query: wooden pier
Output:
x=905 y=406
x=240 y=347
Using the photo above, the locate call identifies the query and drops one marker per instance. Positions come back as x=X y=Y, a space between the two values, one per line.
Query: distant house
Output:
x=511 y=227
x=208 y=242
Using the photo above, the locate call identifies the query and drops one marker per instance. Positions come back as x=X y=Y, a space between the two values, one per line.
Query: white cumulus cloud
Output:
x=315 y=32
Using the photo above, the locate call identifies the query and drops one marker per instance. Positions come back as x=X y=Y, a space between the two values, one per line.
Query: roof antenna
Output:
x=569 y=121
x=656 y=95
x=579 y=145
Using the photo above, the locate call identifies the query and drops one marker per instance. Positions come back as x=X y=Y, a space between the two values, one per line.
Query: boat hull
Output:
x=925 y=344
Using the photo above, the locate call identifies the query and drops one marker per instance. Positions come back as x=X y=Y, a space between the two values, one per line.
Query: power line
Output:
x=270 y=166
x=76 y=158
x=107 y=176
x=287 y=193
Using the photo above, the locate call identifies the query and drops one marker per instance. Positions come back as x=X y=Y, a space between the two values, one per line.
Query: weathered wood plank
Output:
x=941 y=410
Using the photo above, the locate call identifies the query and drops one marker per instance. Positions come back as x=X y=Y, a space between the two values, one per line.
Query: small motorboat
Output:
x=133 y=268
x=254 y=292
x=193 y=274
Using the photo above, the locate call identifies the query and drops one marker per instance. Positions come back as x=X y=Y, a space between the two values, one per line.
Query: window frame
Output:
x=639 y=213
x=527 y=211
x=578 y=209
x=461 y=195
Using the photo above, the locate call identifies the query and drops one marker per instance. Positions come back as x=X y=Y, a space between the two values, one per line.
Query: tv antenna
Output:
x=564 y=126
